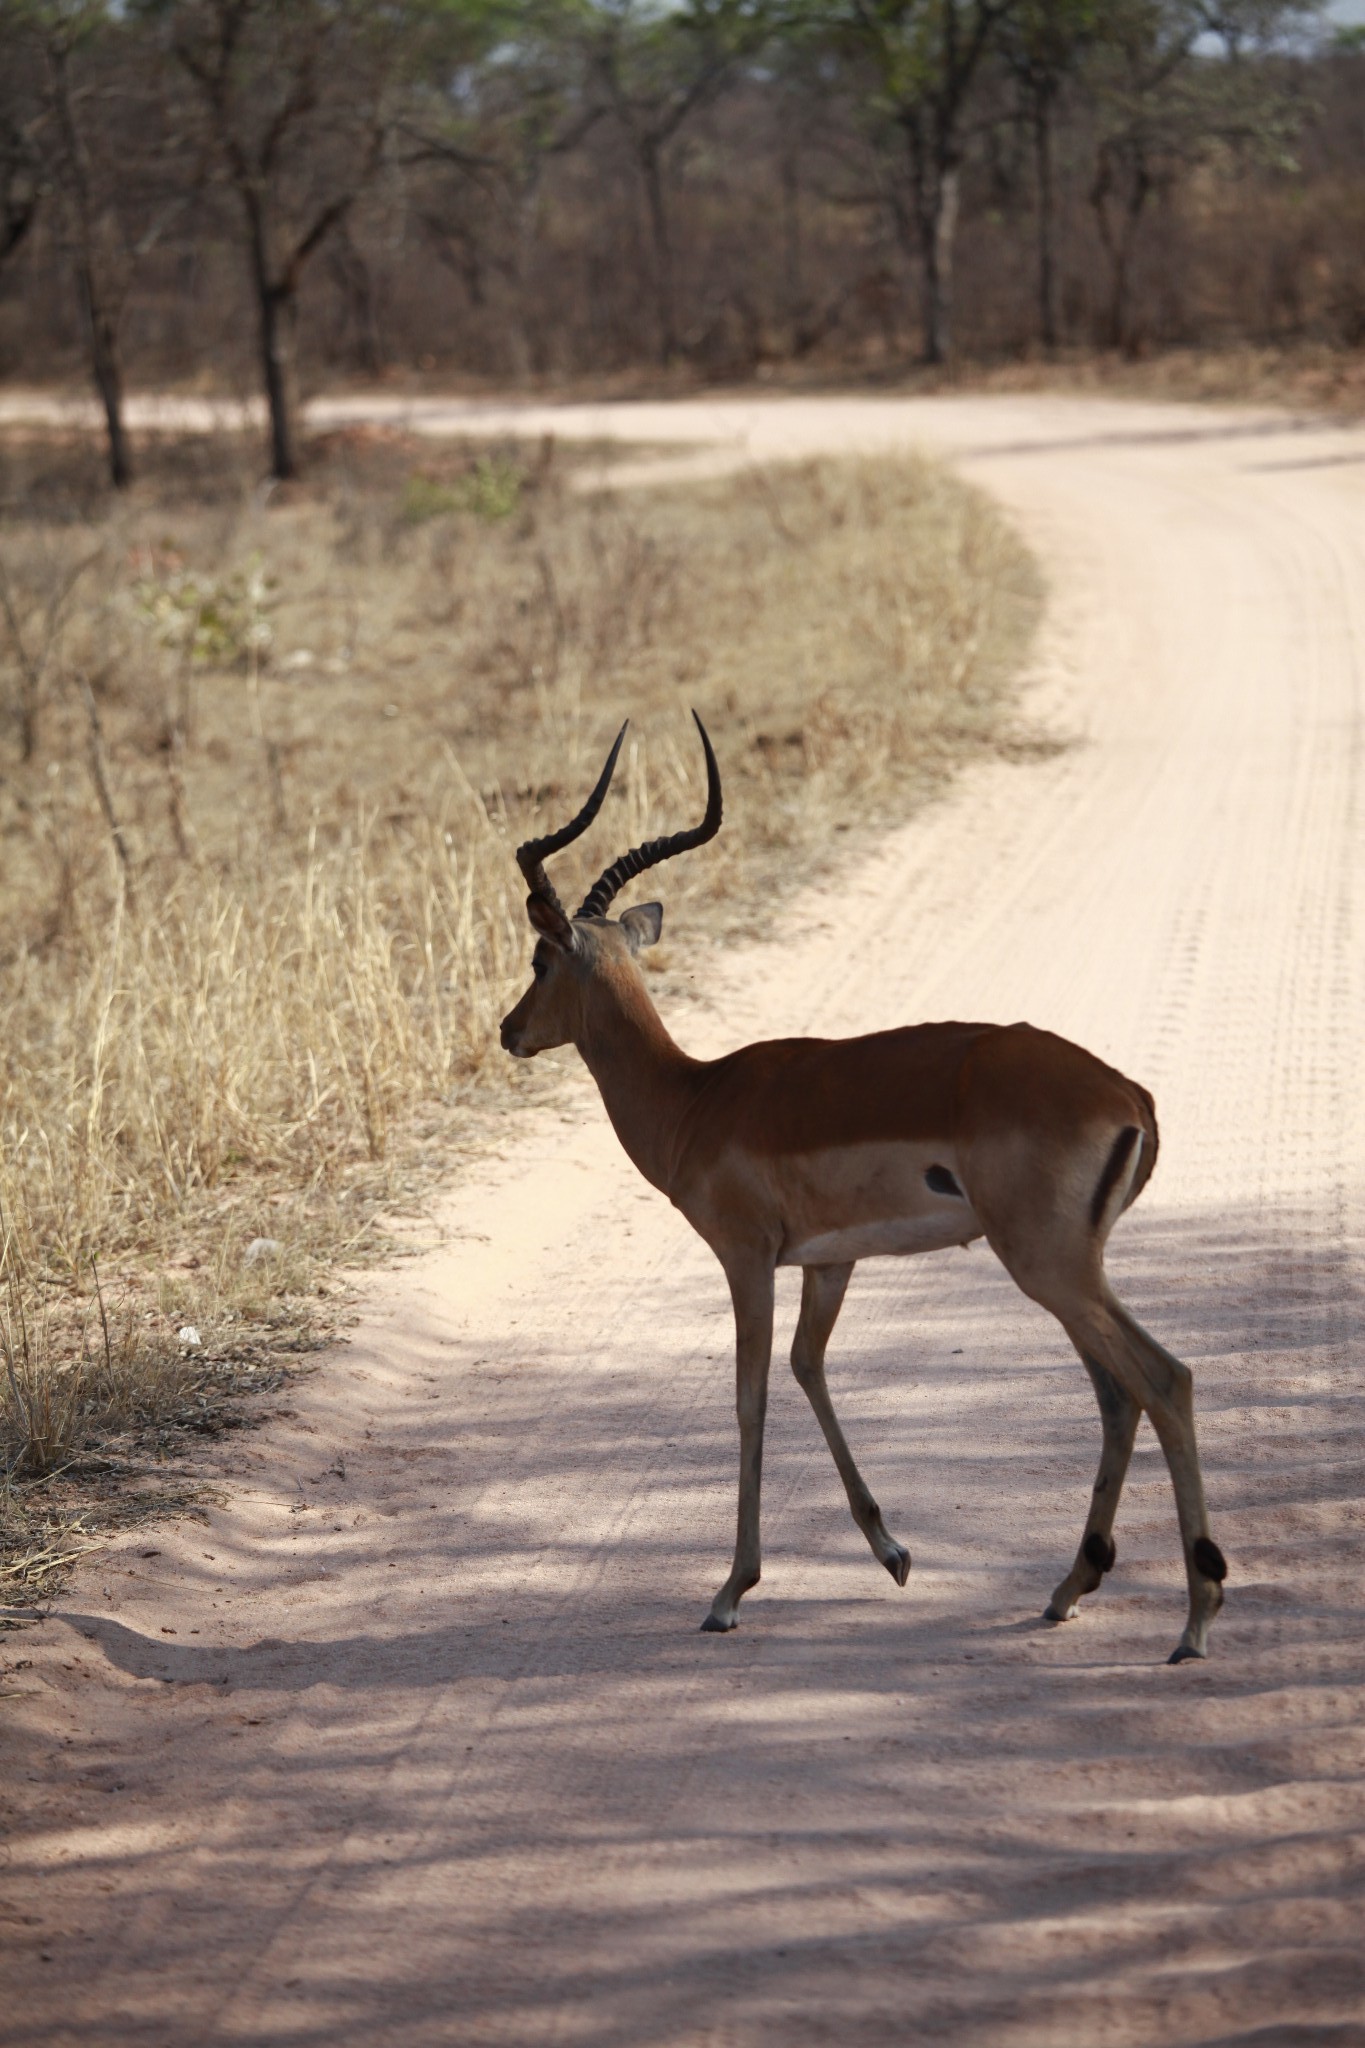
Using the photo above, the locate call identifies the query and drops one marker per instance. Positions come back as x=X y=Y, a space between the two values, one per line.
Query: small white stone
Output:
x=263 y=1248
x=190 y=1337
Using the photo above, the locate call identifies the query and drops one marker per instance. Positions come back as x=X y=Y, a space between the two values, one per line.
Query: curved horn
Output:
x=648 y=856
x=531 y=855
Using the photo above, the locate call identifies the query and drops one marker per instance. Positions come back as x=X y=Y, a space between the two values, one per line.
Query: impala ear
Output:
x=549 y=920
x=642 y=925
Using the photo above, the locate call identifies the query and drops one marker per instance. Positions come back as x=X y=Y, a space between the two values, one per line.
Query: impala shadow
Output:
x=1271 y=428
x=1308 y=462
x=916 y=1811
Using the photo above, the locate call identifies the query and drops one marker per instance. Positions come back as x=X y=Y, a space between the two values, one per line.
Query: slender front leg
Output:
x=1119 y=1416
x=751 y=1290
x=822 y=1295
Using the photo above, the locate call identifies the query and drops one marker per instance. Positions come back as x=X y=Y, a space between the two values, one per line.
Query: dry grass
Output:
x=259 y=917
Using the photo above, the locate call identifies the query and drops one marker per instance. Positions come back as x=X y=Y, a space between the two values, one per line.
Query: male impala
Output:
x=817 y=1152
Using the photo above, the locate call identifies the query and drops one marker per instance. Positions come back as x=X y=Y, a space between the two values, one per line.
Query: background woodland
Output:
x=262 y=194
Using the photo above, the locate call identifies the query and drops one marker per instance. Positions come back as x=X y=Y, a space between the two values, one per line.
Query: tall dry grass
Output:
x=259 y=916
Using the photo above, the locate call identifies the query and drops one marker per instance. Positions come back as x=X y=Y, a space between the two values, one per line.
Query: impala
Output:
x=818 y=1152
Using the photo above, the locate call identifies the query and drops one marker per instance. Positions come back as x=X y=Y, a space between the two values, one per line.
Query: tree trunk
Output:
x=1118 y=293
x=525 y=211
x=109 y=381
x=792 y=280
x=1118 y=247
x=652 y=170
x=99 y=305
x=356 y=281
x=1047 y=277
x=936 y=212
x=277 y=312
x=15 y=221
x=102 y=330
x=1125 y=335
x=275 y=316
x=1122 y=174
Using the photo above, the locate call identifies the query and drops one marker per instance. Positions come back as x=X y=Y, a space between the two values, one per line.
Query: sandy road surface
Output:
x=417 y=1742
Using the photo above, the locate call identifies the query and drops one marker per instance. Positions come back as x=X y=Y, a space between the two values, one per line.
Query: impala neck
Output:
x=646 y=1081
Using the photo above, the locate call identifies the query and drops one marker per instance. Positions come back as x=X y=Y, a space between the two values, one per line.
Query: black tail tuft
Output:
x=1115 y=1166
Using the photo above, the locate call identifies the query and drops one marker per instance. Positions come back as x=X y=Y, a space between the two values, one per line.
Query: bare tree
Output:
x=99 y=250
x=1042 y=43
x=93 y=144
x=293 y=92
x=21 y=120
x=655 y=69
x=921 y=60
x=495 y=124
x=1168 y=100
x=35 y=641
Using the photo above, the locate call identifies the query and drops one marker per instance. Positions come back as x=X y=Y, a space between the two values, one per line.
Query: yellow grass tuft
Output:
x=259 y=916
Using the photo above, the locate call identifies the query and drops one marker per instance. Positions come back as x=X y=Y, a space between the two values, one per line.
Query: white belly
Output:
x=896 y=1238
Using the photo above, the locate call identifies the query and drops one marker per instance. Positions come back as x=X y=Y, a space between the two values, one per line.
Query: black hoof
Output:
x=1183 y=1653
x=898 y=1564
x=712 y=1627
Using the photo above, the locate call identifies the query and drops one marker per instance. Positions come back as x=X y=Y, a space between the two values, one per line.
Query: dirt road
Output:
x=418 y=1742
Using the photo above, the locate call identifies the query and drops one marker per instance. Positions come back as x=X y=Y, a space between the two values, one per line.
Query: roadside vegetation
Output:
x=267 y=760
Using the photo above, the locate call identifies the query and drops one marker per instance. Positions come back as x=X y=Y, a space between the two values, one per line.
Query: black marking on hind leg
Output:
x=1099 y=1552
x=1120 y=1152
x=940 y=1181
x=1209 y=1560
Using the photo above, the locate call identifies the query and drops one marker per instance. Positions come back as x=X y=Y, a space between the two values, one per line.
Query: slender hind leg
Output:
x=1119 y=1417
x=1165 y=1389
x=1060 y=1265
x=1171 y=1407
x=822 y=1295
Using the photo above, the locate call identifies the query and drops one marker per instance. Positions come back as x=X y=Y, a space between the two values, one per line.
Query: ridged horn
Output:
x=531 y=856
x=648 y=856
